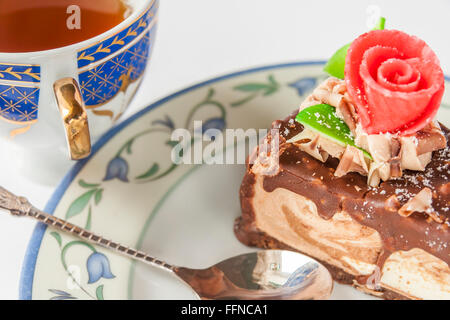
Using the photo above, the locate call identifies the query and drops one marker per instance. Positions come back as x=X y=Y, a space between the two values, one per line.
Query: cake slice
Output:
x=372 y=205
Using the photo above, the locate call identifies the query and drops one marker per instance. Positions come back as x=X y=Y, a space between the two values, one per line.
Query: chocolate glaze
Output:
x=375 y=207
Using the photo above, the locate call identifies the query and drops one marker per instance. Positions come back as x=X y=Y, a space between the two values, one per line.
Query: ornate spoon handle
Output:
x=19 y=206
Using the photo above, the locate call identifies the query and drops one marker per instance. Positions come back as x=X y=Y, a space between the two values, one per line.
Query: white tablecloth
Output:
x=200 y=39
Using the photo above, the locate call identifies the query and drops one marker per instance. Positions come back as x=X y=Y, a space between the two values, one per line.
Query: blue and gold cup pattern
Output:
x=107 y=68
x=19 y=95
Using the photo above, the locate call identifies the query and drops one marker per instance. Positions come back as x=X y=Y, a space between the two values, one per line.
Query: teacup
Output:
x=54 y=104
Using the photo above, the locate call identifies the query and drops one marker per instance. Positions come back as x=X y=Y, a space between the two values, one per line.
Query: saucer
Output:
x=129 y=190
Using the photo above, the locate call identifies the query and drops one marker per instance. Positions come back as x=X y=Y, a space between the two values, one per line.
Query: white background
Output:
x=200 y=39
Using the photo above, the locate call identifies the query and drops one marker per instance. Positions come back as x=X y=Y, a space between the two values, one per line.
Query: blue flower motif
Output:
x=213 y=123
x=117 y=168
x=304 y=85
x=98 y=267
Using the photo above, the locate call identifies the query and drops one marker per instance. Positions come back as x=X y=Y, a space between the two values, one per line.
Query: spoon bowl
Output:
x=266 y=274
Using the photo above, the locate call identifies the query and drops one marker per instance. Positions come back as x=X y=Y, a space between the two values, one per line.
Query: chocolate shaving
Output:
x=430 y=139
x=421 y=202
x=351 y=161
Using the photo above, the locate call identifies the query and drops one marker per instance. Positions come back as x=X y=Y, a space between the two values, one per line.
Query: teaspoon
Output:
x=265 y=274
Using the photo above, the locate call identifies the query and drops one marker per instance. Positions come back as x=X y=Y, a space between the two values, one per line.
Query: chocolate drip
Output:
x=375 y=207
x=288 y=127
x=315 y=180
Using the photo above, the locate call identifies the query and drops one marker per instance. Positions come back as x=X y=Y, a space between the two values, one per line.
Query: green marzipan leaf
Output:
x=336 y=64
x=380 y=24
x=79 y=204
x=99 y=292
x=322 y=118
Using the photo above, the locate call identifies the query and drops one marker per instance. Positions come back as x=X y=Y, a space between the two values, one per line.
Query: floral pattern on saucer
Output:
x=130 y=175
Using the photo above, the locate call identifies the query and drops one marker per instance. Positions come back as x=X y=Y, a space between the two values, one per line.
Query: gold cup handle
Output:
x=74 y=116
